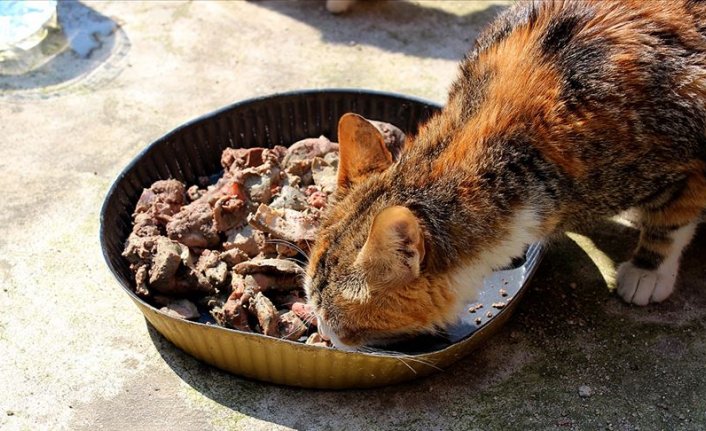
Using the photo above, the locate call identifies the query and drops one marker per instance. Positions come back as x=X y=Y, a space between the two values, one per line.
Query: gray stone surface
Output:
x=75 y=353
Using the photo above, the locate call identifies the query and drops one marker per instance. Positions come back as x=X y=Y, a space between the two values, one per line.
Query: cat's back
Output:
x=606 y=95
x=578 y=73
x=555 y=24
x=591 y=48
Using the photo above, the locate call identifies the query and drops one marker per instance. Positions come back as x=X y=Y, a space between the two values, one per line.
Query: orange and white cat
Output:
x=564 y=111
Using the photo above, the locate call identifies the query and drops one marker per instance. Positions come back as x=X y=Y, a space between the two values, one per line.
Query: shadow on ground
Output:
x=569 y=331
x=393 y=26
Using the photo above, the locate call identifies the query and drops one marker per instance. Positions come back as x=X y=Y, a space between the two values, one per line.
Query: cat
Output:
x=563 y=112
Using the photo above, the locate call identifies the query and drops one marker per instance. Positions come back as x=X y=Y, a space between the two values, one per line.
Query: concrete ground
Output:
x=75 y=353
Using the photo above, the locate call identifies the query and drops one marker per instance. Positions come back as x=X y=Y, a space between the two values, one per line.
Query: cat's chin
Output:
x=368 y=345
x=340 y=346
x=328 y=334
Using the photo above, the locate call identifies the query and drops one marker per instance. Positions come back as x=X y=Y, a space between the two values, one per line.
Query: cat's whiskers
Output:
x=305 y=323
x=308 y=246
x=294 y=329
x=406 y=364
x=300 y=263
x=365 y=349
x=310 y=318
x=291 y=245
x=398 y=355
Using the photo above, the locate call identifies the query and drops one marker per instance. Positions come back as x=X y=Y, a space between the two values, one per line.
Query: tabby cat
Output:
x=564 y=111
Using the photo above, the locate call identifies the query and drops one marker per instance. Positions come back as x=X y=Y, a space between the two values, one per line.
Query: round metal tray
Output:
x=194 y=150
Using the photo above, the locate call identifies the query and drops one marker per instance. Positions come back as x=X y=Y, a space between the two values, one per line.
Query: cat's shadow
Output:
x=566 y=306
x=394 y=26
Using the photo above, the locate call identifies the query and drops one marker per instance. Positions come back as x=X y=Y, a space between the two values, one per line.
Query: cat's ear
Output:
x=394 y=251
x=362 y=151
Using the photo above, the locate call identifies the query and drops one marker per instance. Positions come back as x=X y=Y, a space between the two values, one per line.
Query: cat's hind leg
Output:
x=666 y=229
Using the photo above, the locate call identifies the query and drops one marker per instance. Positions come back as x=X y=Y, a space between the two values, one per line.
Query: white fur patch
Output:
x=628 y=218
x=642 y=286
x=327 y=334
x=467 y=281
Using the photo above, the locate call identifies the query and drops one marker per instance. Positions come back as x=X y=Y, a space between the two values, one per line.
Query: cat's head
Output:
x=368 y=278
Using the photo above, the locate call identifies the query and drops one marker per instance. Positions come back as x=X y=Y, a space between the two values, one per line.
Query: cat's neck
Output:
x=484 y=204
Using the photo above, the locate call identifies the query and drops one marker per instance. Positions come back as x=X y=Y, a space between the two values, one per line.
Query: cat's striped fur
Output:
x=564 y=111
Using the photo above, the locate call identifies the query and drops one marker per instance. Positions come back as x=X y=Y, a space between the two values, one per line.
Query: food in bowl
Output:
x=228 y=250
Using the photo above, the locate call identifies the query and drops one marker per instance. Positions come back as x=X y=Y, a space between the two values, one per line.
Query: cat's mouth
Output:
x=328 y=334
x=359 y=342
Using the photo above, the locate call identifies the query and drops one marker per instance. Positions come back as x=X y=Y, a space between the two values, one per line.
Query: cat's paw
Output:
x=642 y=286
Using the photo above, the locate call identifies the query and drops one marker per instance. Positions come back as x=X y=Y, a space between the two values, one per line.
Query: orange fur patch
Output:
x=689 y=205
x=510 y=108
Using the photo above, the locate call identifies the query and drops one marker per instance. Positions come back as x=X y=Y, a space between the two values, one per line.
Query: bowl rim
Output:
x=530 y=265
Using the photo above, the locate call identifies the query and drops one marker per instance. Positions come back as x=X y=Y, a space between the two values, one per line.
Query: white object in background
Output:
x=24 y=24
x=19 y=20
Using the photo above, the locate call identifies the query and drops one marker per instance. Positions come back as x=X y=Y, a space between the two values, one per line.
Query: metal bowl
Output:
x=193 y=150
